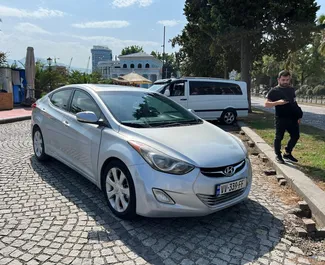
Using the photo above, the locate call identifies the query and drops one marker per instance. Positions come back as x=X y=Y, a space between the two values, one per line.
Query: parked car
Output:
x=149 y=155
x=209 y=98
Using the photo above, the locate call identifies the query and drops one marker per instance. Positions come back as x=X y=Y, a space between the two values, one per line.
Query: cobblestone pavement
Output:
x=313 y=115
x=49 y=214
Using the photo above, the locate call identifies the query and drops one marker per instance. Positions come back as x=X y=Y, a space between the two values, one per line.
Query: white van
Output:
x=209 y=98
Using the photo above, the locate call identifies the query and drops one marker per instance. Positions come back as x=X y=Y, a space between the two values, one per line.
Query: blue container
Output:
x=17 y=97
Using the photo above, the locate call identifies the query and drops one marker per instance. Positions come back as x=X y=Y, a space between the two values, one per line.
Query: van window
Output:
x=214 y=88
x=175 y=89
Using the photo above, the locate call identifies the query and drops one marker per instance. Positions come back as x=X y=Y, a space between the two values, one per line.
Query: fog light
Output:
x=162 y=196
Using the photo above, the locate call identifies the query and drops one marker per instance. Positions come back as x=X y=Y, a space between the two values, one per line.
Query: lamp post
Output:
x=49 y=61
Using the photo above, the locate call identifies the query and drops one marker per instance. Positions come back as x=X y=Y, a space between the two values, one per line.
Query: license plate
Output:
x=231 y=186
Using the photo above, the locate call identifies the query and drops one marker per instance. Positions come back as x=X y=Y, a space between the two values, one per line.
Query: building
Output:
x=142 y=63
x=100 y=53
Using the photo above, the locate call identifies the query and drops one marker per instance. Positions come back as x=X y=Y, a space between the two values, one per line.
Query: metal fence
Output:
x=313 y=99
x=303 y=99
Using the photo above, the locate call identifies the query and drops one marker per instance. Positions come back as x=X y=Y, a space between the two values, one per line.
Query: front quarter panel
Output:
x=114 y=145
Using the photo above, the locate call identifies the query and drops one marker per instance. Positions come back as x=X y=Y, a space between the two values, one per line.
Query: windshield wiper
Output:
x=176 y=123
x=135 y=125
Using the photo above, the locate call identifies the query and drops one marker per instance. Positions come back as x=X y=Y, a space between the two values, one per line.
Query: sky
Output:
x=66 y=29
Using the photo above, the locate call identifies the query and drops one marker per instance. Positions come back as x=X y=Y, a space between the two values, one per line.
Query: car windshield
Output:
x=145 y=109
x=156 y=87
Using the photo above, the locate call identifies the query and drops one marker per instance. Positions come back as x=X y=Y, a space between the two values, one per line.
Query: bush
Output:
x=319 y=90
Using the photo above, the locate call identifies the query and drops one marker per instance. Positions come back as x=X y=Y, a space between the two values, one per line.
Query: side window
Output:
x=236 y=89
x=177 y=89
x=61 y=99
x=83 y=102
x=199 y=88
x=214 y=88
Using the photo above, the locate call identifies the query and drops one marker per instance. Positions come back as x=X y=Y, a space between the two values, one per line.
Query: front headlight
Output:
x=240 y=142
x=160 y=161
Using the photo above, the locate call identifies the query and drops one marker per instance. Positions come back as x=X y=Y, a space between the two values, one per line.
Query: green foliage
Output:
x=3 y=58
x=170 y=63
x=319 y=90
x=131 y=49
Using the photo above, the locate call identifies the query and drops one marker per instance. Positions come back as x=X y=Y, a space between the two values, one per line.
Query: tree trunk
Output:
x=245 y=67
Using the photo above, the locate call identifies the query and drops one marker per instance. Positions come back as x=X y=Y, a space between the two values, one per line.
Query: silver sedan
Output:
x=149 y=155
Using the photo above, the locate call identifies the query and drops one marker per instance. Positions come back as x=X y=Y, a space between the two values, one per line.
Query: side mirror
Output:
x=87 y=117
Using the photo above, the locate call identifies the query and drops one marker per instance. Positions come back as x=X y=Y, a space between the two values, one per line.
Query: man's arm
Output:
x=269 y=104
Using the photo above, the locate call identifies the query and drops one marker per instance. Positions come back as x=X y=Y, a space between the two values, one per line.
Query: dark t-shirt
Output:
x=288 y=110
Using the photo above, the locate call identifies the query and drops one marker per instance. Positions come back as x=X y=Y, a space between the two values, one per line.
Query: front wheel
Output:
x=119 y=190
x=228 y=117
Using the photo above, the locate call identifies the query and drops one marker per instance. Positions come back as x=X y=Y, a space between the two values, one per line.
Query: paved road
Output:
x=49 y=214
x=313 y=115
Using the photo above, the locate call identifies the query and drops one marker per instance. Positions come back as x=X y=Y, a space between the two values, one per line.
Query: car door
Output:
x=85 y=137
x=55 y=129
x=178 y=92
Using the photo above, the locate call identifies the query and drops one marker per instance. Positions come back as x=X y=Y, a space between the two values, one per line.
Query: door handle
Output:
x=183 y=99
x=66 y=123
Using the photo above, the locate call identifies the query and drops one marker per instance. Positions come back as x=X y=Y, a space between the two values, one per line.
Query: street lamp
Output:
x=49 y=61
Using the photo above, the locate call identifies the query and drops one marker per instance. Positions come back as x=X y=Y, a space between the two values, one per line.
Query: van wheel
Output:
x=228 y=117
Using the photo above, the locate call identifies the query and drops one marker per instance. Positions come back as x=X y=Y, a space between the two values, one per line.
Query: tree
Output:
x=131 y=49
x=3 y=58
x=170 y=64
x=258 y=27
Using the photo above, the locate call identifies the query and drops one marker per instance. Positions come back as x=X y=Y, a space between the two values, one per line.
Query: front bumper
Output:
x=194 y=194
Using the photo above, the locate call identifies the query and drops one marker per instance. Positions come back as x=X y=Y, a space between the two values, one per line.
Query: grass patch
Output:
x=310 y=149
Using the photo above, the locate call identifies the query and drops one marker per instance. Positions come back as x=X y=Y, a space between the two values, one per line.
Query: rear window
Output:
x=214 y=88
x=61 y=98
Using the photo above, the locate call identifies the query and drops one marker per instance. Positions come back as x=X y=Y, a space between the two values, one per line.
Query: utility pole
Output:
x=164 y=52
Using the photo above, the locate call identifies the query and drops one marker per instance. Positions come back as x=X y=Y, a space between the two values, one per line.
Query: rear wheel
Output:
x=119 y=190
x=38 y=145
x=228 y=117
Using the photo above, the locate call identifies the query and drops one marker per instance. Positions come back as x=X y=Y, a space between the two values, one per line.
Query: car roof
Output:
x=104 y=88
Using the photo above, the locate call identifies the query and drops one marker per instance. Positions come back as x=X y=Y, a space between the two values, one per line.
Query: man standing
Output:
x=287 y=115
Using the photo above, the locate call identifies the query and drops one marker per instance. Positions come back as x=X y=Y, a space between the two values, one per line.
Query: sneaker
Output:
x=279 y=159
x=290 y=157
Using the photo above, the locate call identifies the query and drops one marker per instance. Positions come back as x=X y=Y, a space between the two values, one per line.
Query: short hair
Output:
x=284 y=73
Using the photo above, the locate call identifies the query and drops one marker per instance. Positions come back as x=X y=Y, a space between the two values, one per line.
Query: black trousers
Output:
x=281 y=126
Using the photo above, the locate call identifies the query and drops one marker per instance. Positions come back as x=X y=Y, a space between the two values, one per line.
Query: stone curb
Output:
x=302 y=184
x=14 y=119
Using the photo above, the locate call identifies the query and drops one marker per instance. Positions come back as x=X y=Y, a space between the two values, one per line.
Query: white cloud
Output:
x=102 y=24
x=169 y=23
x=23 y=13
x=115 y=42
x=30 y=28
x=127 y=3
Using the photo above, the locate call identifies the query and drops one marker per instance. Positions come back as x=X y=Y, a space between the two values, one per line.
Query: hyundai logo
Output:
x=229 y=171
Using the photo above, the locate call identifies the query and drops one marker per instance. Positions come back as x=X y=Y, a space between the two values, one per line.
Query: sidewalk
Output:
x=16 y=114
x=301 y=183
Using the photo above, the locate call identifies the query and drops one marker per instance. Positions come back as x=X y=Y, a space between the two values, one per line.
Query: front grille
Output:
x=213 y=200
x=217 y=172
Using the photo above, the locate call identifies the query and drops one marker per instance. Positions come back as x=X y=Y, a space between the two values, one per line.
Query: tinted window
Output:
x=83 y=102
x=214 y=88
x=140 y=109
x=61 y=99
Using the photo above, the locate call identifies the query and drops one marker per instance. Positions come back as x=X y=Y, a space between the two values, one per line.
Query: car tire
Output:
x=119 y=190
x=228 y=117
x=38 y=145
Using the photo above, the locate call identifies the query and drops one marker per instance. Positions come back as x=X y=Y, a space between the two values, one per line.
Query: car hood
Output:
x=203 y=145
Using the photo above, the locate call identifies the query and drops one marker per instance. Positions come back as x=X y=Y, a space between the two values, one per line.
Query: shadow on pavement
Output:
x=244 y=232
